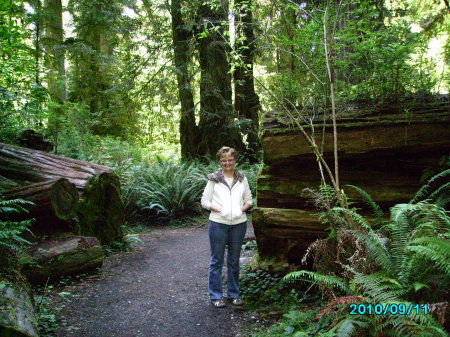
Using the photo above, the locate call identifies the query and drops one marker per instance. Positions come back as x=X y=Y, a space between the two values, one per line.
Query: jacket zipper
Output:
x=231 y=208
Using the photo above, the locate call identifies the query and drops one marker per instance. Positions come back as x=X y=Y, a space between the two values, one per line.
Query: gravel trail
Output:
x=159 y=289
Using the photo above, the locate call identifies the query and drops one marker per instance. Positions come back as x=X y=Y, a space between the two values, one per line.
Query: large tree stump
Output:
x=17 y=318
x=65 y=256
x=100 y=211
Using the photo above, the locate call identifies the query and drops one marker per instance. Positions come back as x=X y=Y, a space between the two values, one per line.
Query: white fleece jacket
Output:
x=228 y=199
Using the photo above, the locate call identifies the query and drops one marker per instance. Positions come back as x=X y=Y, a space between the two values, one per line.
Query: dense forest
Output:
x=186 y=77
x=130 y=101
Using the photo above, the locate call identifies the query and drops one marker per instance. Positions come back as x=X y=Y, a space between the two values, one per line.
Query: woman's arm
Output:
x=207 y=197
x=247 y=196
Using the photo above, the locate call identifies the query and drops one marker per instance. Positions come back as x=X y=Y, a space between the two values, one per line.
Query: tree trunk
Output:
x=246 y=101
x=217 y=125
x=97 y=24
x=101 y=209
x=57 y=198
x=65 y=256
x=54 y=53
x=54 y=62
x=181 y=39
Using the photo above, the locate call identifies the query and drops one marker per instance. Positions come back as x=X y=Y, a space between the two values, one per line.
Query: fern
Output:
x=426 y=190
x=376 y=251
x=364 y=225
x=309 y=276
x=10 y=231
x=348 y=326
x=435 y=250
x=368 y=200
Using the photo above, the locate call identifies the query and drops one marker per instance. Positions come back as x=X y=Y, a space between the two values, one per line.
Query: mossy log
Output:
x=6 y=183
x=17 y=317
x=28 y=165
x=100 y=211
x=57 y=198
x=64 y=256
x=285 y=233
x=360 y=140
x=384 y=152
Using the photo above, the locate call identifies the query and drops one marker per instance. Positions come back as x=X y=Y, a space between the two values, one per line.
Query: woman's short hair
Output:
x=225 y=150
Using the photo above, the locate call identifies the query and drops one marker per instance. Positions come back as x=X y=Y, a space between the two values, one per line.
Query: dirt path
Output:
x=159 y=289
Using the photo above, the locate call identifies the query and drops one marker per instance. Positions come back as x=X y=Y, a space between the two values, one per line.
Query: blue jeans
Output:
x=219 y=236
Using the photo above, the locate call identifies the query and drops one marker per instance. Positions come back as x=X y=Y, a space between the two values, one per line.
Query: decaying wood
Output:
x=57 y=198
x=64 y=256
x=6 y=183
x=23 y=164
x=100 y=210
x=384 y=152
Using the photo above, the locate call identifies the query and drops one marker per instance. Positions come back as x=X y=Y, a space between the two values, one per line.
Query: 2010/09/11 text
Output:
x=388 y=308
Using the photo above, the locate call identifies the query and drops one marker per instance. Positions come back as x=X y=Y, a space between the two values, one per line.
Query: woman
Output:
x=227 y=195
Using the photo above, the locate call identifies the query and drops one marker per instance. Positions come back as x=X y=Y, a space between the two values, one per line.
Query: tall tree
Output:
x=246 y=102
x=182 y=37
x=54 y=63
x=95 y=75
x=217 y=120
x=54 y=51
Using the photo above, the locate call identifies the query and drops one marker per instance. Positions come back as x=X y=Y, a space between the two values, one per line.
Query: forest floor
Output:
x=158 y=289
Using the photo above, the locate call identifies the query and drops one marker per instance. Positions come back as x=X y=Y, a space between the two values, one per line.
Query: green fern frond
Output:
x=379 y=287
x=355 y=217
x=320 y=279
x=348 y=326
x=368 y=200
x=375 y=249
x=435 y=250
x=425 y=191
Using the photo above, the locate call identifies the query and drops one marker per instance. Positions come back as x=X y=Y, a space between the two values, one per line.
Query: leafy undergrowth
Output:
x=47 y=313
x=275 y=307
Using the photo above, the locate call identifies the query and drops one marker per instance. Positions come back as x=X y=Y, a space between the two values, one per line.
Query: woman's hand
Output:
x=246 y=207
x=215 y=209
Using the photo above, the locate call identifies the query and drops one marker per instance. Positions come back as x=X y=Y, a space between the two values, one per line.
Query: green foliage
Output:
x=20 y=95
x=171 y=189
x=376 y=57
x=256 y=284
x=377 y=211
x=409 y=264
x=47 y=319
x=10 y=230
x=436 y=189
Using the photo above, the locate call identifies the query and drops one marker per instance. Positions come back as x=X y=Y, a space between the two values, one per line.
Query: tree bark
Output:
x=64 y=256
x=54 y=53
x=182 y=37
x=246 y=101
x=100 y=211
x=217 y=125
x=54 y=62
x=57 y=198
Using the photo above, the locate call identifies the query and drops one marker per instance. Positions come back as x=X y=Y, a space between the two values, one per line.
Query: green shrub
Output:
x=170 y=189
x=406 y=261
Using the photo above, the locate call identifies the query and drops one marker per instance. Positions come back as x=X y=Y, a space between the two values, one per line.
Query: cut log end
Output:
x=64 y=199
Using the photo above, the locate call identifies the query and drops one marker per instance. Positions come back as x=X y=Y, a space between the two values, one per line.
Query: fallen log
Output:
x=6 y=183
x=64 y=256
x=17 y=317
x=57 y=198
x=100 y=211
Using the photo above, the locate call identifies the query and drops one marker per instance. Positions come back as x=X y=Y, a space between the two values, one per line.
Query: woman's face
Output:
x=227 y=162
